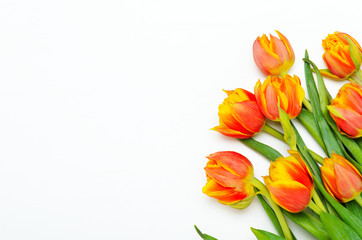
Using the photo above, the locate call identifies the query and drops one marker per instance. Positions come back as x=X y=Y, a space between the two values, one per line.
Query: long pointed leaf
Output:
x=326 y=133
x=203 y=235
x=337 y=229
x=271 y=214
x=264 y=235
x=269 y=152
x=309 y=223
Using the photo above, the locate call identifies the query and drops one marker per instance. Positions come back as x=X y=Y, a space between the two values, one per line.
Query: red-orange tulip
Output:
x=228 y=179
x=286 y=89
x=239 y=115
x=274 y=56
x=346 y=110
x=341 y=179
x=290 y=183
x=341 y=58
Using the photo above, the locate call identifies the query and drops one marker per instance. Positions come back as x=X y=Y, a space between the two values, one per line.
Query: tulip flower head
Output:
x=290 y=182
x=342 y=55
x=274 y=56
x=228 y=179
x=346 y=110
x=286 y=90
x=341 y=179
x=239 y=115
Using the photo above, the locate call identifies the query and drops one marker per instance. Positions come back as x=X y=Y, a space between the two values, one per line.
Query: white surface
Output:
x=106 y=108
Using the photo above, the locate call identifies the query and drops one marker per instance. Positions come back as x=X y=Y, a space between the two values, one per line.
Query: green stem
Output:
x=359 y=200
x=314 y=207
x=307 y=104
x=318 y=202
x=283 y=223
x=316 y=157
x=272 y=131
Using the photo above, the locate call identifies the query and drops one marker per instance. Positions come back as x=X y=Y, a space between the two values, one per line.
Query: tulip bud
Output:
x=287 y=90
x=290 y=182
x=239 y=115
x=342 y=55
x=274 y=56
x=346 y=110
x=341 y=179
x=229 y=177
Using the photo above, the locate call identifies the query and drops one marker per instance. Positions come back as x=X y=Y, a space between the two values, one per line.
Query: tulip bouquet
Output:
x=319 y=193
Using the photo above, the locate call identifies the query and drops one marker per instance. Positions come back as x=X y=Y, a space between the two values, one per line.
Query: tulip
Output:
x=274 y=56
x=290 y=183
x=346 y=110
x=341 y=179
x=229 y=177
x=239 y=115
x=342 y=55
x=286 y=90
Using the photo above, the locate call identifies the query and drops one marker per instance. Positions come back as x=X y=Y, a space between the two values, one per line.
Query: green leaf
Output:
x=355 y=53
x=348 y=217
x=337 y=229
x=309 y=223
x=310 y=162
x=273 y=217
x=289 y=134
x=204 y=236
x=264 y=235
x=355 y=208
x=359 y=142
x=344 y=213
x=322 y=125
x=325 y=98
x=306 y=118
x=269 y=152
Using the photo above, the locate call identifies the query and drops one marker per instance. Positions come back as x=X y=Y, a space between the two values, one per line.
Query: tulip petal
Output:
x=349 y=184
x=329 y=180
x=329 y=74
x=226 y=118
x=260 y=98
x=351 y=123
x=223 y=177
x=248 y=114
x=351 y=97
x=295 y=95
x=278 y=47
x=224 y=195
x=287 y=45
x=343 y=36
x=289 y=169
x=231 y=133
x=271 y=99
x=264 y=58
x=233 y=162
x=290 y=195
x=337 y=65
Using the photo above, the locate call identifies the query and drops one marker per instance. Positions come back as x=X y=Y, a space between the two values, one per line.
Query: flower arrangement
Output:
x=320 y=194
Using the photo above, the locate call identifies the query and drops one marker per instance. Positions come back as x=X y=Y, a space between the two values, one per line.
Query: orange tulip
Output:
x=342 y=55
x=274 y=56
x=287 y=90
x=346 y=110
x=341 y=179
x=290 y=183
x=239 y=115
x=228 y=179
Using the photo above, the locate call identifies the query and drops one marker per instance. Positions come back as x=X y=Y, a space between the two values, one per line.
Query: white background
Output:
x=106 y=106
